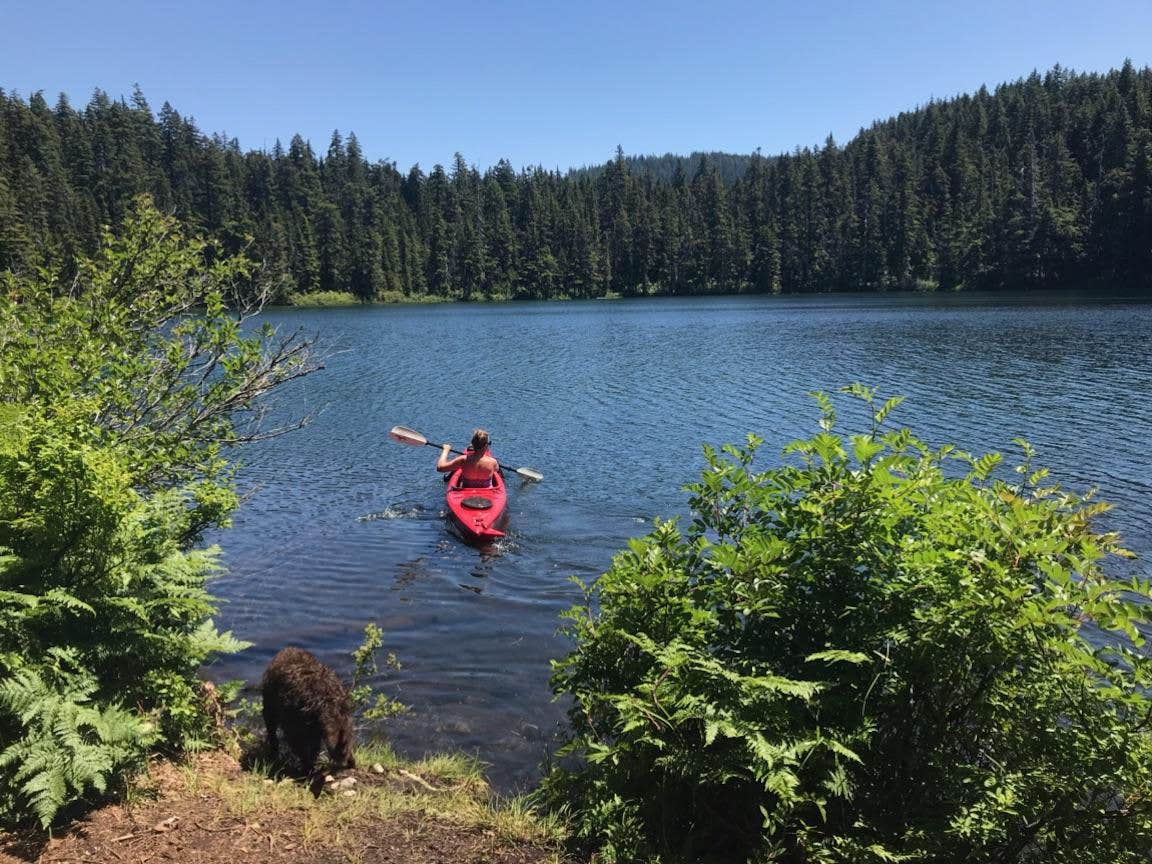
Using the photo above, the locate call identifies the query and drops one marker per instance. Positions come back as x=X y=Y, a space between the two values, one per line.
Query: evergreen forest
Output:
x=1040 y=182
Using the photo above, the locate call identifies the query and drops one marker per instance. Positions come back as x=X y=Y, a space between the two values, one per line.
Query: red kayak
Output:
x=479 y=514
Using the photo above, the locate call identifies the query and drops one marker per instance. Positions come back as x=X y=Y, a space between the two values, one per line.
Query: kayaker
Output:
x=476 y=466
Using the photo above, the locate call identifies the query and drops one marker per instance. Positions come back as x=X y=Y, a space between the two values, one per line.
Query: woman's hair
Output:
x=479 y=440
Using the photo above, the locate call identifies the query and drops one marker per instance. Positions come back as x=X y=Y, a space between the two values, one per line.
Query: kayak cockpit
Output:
x=480 y=514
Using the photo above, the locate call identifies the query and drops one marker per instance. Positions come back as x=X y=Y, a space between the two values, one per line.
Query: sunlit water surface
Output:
x=611 y=401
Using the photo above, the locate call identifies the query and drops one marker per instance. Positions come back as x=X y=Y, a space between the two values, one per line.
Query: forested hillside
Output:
x=1047 y=180
x=732 y=166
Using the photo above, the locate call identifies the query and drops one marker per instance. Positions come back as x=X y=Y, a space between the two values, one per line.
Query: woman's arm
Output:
x=446 y=464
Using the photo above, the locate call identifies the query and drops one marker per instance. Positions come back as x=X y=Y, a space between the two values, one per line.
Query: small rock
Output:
x=377 y=768
x=328 y=778
x=166 y=824
x=349 y=793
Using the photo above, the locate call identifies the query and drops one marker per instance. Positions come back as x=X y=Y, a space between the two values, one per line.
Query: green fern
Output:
x=66 y=744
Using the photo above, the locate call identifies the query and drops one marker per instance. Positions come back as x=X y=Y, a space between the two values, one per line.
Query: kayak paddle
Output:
x=404 y=435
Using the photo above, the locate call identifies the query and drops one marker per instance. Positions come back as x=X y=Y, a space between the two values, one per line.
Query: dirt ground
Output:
x=213 y=812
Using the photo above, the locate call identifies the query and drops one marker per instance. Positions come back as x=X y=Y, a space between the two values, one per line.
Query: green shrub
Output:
x=878 y=651
x=372 y=704
x=314 y=299
x=119 y=391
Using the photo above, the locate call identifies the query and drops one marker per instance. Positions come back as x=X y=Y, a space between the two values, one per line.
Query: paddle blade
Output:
x=529 y=474
x=404 y=435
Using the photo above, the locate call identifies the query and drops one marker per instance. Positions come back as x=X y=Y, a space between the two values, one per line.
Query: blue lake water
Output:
x=611 y=400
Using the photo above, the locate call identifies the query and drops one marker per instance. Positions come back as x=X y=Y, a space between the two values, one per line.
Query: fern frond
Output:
x=208 y=640
x=67 y=744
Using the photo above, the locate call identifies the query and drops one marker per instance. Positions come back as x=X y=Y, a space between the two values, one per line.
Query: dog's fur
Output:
x=304 y=697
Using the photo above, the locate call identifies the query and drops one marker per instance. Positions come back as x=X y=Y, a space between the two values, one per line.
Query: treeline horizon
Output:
x=664 y=168
x=1043 y=181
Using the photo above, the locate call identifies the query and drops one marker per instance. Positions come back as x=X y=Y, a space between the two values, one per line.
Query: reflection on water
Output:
x=611 y=401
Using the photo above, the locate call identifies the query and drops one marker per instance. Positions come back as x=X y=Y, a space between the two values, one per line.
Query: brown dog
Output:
x=304 y=697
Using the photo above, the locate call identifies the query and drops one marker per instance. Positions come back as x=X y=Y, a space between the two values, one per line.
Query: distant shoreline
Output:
x=1088 y=290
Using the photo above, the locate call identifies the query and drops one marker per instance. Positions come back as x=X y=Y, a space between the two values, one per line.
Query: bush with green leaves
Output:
x=875 y=651
x=120 y=390
x=372 y=704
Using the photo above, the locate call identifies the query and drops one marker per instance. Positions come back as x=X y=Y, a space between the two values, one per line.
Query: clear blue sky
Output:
x=557 y=84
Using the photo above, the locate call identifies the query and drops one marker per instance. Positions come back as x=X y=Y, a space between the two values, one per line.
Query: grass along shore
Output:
x=209 y=809
x=334 y=299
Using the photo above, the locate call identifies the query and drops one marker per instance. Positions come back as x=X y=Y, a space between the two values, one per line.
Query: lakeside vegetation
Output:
x=1042 y=181
x=121 y=391
x=879 y=651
